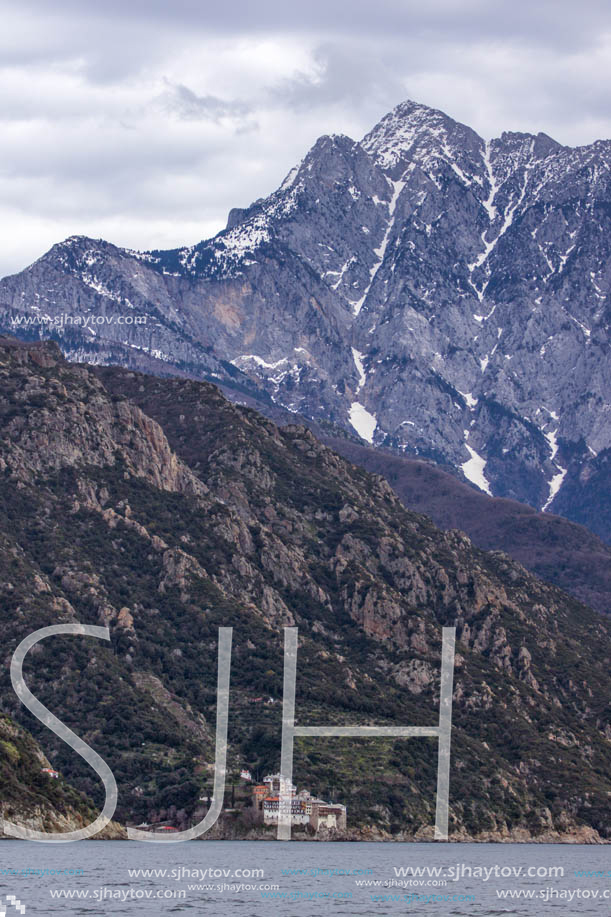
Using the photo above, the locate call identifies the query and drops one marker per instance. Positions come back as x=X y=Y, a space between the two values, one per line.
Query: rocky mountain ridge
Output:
x=550 y=546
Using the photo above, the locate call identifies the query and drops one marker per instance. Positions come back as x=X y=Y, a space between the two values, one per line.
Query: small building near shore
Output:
x=277 y=792
x=259 y=792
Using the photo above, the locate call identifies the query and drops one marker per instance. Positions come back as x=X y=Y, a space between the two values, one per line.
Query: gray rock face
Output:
x=439 y=294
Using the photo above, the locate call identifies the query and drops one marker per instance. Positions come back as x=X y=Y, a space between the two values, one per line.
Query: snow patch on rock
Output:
x=363 y=422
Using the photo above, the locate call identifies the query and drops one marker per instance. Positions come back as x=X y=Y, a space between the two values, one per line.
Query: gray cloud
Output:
x=182 y=101
x=547 y=21
x=145 y=122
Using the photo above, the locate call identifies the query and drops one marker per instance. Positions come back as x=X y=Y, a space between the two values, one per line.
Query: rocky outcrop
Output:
x=47 y=429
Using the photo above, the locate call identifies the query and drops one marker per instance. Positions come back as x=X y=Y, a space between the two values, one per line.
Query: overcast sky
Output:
x=145 y=121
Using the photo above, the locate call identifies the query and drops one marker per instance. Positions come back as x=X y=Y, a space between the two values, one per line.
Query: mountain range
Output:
x=441 y=296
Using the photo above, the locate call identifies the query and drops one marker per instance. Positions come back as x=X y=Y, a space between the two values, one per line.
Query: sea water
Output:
x=301 y=879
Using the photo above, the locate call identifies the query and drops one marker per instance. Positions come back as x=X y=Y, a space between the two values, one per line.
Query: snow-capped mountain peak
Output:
x=471 y=277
